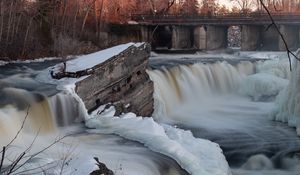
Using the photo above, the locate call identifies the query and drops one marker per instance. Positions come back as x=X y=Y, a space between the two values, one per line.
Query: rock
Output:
x=103 y=170
x=120 y=80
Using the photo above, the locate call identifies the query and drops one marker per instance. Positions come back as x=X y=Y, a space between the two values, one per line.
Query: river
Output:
x=214 y=100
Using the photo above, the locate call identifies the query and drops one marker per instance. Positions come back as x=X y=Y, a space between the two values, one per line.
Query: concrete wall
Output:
x=145 y=34
x=122 y=80
x=181 y=37
x=270 y=39
x=251 y=37
x=200 y=38
x=291 y=36
x=216 y=37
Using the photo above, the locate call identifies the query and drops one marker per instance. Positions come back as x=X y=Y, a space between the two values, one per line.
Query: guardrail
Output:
x=228 y=18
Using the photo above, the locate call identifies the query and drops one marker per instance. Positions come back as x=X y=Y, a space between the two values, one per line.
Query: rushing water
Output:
x=208 y=99
x=53 y=114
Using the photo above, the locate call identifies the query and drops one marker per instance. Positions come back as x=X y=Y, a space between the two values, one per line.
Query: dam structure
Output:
x=210 y=32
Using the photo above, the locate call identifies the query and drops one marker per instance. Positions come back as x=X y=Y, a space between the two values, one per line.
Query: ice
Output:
x=197 y=156
x=262 y=85
x=279 y=68
x=288 y=101
x=38 y=60
x=262 y=54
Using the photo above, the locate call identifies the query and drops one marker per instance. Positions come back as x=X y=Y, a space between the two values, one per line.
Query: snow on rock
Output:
x=261 y=85
x=91 y=60
x=197 y=156
x=82 y=63
x=288 y=101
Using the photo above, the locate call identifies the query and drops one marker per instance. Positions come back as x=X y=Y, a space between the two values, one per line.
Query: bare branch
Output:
x=2 y=158
x=289 y=52
x=21 y=128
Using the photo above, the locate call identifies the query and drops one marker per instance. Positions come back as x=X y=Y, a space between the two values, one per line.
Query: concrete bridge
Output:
x=211 y=32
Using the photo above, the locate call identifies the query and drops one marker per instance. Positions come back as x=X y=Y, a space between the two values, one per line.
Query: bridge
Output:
x=210 y=32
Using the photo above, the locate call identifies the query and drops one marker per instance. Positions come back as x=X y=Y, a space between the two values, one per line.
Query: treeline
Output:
x=275 y=6
x=39 y=28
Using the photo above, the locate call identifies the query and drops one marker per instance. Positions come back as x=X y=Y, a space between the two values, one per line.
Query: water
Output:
x=206 y=100
x=203 y=98
x=53 y=114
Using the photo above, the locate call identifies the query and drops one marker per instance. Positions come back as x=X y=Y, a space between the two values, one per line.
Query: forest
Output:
x=42 y=28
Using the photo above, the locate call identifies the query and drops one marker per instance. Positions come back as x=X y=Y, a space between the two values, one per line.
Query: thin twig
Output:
x=15 y=163
x=21 y=128
x=289 y=52
x=2 y=158
x=40 y=167
x=39 y=152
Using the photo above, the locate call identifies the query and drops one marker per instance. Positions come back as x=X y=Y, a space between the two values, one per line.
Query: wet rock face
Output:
x=121 y=80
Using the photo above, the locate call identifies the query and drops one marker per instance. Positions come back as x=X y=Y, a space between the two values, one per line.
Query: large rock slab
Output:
x=121 y=80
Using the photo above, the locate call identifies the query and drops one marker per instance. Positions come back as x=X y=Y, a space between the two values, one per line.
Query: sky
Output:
x=226 y=3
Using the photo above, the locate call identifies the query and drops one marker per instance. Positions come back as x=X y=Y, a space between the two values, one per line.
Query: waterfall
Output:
x=192 y=83
x=45 y=114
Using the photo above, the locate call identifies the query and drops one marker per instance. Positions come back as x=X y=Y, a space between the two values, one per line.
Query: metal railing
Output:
x=227 y=18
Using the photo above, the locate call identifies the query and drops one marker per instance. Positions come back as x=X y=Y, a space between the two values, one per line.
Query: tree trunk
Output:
x=9 y=21
x=1 y=19
x=26 y=36
x=86 y=16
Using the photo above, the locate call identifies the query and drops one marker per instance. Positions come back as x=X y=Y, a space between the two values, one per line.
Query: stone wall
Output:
x=121 y=80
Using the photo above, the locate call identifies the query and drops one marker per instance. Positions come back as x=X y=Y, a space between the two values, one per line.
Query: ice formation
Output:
x=262 y=86
x=197 y=156
x=288 y=101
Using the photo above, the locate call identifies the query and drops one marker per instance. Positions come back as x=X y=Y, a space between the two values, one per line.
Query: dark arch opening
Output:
x=162 y=37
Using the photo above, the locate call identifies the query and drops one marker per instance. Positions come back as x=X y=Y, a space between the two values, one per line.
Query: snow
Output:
x=39 y=60
x=2 y=63
x=91 y=60
x=197 y=156
x=288 y=101
x=81 y=63
x=262 y=85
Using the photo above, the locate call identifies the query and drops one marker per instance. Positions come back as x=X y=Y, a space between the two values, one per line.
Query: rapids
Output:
x=53 y=114
x=227 y=103
x=211 y=101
